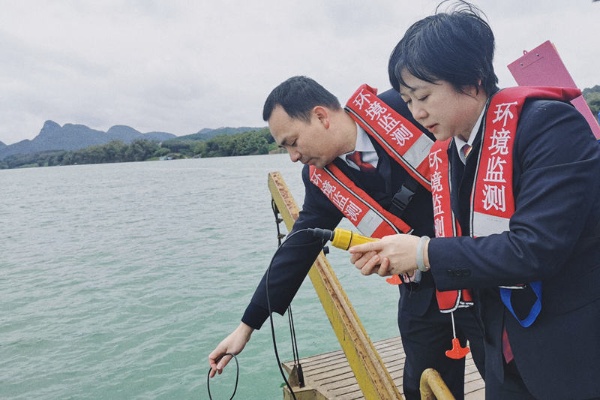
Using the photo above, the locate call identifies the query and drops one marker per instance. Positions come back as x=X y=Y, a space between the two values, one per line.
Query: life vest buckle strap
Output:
x=535 y=310
x=514 y=287
x=401 y=200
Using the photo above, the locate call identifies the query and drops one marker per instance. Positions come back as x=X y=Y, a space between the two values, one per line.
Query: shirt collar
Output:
x=460 y=142
x=363 y=144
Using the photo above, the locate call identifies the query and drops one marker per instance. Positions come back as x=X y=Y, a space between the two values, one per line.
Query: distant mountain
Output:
x=206 y=133
x=76 y=137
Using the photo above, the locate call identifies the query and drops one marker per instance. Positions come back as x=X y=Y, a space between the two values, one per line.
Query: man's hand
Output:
x=232 y=344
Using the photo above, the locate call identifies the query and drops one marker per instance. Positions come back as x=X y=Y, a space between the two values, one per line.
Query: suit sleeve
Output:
x=556 y=184
x=293 y=259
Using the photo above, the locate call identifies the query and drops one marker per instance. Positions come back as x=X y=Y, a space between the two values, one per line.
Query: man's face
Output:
x=440 y=108
x=307 y=142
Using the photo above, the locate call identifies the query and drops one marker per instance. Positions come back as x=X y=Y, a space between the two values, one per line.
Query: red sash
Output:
x=357 y=206
x=399 y=137
x=402 y=140
x=492 y=197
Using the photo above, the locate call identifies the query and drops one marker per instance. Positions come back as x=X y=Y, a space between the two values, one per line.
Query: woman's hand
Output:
x=391 y=255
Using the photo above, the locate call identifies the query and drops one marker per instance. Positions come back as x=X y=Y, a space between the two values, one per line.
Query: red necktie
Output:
x=466 y=149
x=506 y=349
x=356 y=158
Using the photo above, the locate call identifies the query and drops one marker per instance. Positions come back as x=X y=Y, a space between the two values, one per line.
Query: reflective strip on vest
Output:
x=486 y=225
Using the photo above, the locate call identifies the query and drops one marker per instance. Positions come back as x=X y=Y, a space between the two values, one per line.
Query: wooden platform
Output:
x=328 y=375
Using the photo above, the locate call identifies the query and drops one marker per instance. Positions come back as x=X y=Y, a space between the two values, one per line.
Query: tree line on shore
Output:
x=241 y=144
x=226 y=145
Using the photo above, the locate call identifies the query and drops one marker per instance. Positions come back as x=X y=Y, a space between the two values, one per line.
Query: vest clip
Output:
x=401 y=200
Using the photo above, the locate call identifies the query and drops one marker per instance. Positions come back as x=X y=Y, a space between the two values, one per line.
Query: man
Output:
x=308 y=121
x=517 y=216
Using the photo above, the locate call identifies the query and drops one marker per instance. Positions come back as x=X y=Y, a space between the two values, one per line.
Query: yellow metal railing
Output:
x=433 y=387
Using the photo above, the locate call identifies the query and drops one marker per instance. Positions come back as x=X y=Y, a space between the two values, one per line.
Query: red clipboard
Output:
x=543 y=66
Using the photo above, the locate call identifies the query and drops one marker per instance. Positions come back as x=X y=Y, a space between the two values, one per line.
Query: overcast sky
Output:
x=181 y=66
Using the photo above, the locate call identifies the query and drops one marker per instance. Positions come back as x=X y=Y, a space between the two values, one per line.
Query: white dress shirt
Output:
x=364 y=145
x=461 y=143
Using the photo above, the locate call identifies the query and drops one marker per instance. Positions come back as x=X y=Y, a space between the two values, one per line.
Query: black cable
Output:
x=278 y=220
x=295 y=352
x=293 y=331
x=292 y=334
x=271 y=312
x=237 y=377
x=271 y=316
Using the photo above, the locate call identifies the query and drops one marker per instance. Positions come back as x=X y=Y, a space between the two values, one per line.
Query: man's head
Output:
x=456 y=46
x=297 y=96
x=309 y=122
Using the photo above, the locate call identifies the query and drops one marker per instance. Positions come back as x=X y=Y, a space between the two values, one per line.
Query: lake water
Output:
x=118 y=280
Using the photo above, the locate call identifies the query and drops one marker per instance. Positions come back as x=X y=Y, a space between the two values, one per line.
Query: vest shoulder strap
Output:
x=369 y=217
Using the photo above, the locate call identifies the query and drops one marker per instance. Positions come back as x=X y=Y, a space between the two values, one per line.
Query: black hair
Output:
x=456 y=46
x=298 y=95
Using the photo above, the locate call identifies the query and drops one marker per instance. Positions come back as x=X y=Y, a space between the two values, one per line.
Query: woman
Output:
x=516 y=188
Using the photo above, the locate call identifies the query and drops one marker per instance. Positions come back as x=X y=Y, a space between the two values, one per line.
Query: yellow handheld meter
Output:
x=342 y=238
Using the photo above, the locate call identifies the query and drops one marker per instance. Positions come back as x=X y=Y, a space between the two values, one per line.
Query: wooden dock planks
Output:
x=328 y=375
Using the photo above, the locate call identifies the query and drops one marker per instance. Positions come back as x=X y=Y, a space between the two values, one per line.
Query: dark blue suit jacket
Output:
x=292 y=263
x=554 y=237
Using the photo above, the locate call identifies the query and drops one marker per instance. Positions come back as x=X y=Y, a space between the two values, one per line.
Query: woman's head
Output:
x=456 y=46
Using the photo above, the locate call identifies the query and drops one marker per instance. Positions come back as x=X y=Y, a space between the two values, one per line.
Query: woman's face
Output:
x=440 y=108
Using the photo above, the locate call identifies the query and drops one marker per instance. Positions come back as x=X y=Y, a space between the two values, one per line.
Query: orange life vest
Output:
x=492 y=197
x=401 y=139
